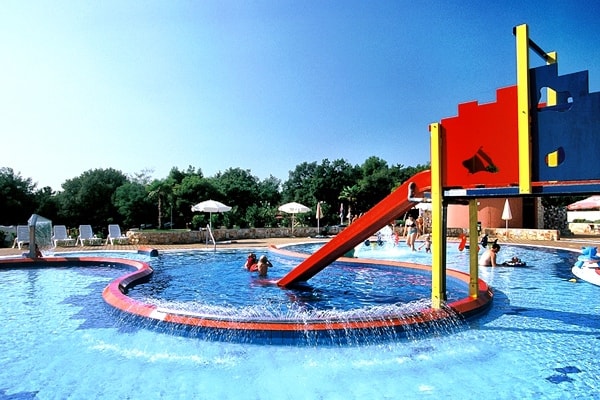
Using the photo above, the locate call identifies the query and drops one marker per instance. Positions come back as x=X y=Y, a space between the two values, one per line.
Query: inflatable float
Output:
x=463 y=242
x=513 y=263
x=587 y=268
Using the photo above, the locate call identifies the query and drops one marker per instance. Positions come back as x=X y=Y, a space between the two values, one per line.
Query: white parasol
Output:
x=293 y=208
x=211 y=206
x=591 y=203
x=423 y=206
x=319 y=215
x=506 y=214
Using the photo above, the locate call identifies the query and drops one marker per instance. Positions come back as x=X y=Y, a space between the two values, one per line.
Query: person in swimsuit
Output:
x=420 y=225
x=251 y=263
x=263 y=266
x=488 y=258
x=411 y=232
x=426 y=244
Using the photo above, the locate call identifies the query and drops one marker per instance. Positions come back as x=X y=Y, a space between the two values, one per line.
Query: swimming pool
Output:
x=539 y=340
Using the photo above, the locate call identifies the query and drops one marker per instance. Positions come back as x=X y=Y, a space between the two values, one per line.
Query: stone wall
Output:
x=584 y=228
x=191 y=237
x=510 y=233
x=165 y=237
x=522 y=234
x=220 y=235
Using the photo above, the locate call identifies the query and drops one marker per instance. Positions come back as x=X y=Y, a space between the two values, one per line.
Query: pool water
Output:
x=215 y=283
x=539 y=340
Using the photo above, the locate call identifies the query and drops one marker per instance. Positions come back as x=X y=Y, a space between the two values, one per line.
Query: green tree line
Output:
x=107 y=196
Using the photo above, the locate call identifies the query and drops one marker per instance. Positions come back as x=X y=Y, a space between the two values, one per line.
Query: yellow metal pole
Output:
x=473 y=247
x=523 y=106
x=551 y=93
x=438 y=292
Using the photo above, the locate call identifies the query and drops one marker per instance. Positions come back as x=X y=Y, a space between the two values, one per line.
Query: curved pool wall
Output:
x=272 y=331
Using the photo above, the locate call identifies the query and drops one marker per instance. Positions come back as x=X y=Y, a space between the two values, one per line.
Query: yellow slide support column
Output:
x=551 y=93
x=523 y=106
x=473 y=253
x=438 y=285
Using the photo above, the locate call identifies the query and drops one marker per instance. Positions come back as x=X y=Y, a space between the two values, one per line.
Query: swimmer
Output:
x=251 y=263
x=263 y=266
x=488 y=258
x=426 y=244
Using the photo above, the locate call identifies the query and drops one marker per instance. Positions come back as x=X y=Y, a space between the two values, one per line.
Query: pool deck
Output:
x=574 y=242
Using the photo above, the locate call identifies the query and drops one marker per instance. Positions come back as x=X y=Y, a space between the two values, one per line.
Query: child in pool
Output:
x=426 y=244
x=251 y=263
x=263 y=266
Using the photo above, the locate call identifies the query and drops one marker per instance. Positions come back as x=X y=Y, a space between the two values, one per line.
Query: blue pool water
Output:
x=213 y=283
x=539 y=340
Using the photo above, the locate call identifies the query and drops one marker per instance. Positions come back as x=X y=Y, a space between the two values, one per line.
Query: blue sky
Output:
x=259 y=85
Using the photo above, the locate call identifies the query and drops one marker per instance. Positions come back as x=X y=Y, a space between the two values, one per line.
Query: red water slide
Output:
x=388 y=209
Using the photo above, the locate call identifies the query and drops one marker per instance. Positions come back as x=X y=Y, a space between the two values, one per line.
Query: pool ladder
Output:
x=209 y=232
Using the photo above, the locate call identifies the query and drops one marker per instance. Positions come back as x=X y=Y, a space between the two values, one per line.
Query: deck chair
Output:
x=22 y=236
x=60 y=235
x=115 y=235
x=86 y=236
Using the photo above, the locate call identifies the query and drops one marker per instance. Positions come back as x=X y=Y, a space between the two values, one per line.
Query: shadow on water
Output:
x=95 y=313
x=501 y=307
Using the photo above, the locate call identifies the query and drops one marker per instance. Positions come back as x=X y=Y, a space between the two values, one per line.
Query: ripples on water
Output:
x=214 y=284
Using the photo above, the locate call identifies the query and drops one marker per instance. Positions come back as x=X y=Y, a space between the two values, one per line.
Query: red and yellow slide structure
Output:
x=383 y=213
x=516 y=146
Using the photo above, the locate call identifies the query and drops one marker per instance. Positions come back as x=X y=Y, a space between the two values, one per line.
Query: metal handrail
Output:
x=211 y=236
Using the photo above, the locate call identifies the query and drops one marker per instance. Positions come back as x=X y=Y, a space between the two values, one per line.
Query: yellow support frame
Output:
x=438 y=286
x=473 y=244
x=551 y=93
x=523 y=106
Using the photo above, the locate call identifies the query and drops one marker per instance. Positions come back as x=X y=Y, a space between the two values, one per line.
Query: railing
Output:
x=209 y=232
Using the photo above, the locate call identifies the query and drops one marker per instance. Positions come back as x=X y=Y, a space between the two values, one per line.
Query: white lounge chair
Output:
x=115 y=235
x=22 y=236
x=86 y=236
x=60 y=235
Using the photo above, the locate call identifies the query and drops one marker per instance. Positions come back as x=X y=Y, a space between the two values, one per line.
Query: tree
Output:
x=133 y=204
x=192 y=190
x=299 y=186
x=144 y=177
x=17 y=200
x=264 y=213
x=328 y=181
x=350 y=194
x=402 y=173
x=312 y=182
x=47 y=204
x=90 y=197
x=240 y=189
x=160 y=191
x=376 y=183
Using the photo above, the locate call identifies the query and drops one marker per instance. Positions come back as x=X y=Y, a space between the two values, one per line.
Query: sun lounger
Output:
x=22 y=236
x=115 y=235
x=60 y=236
x=86 y=236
